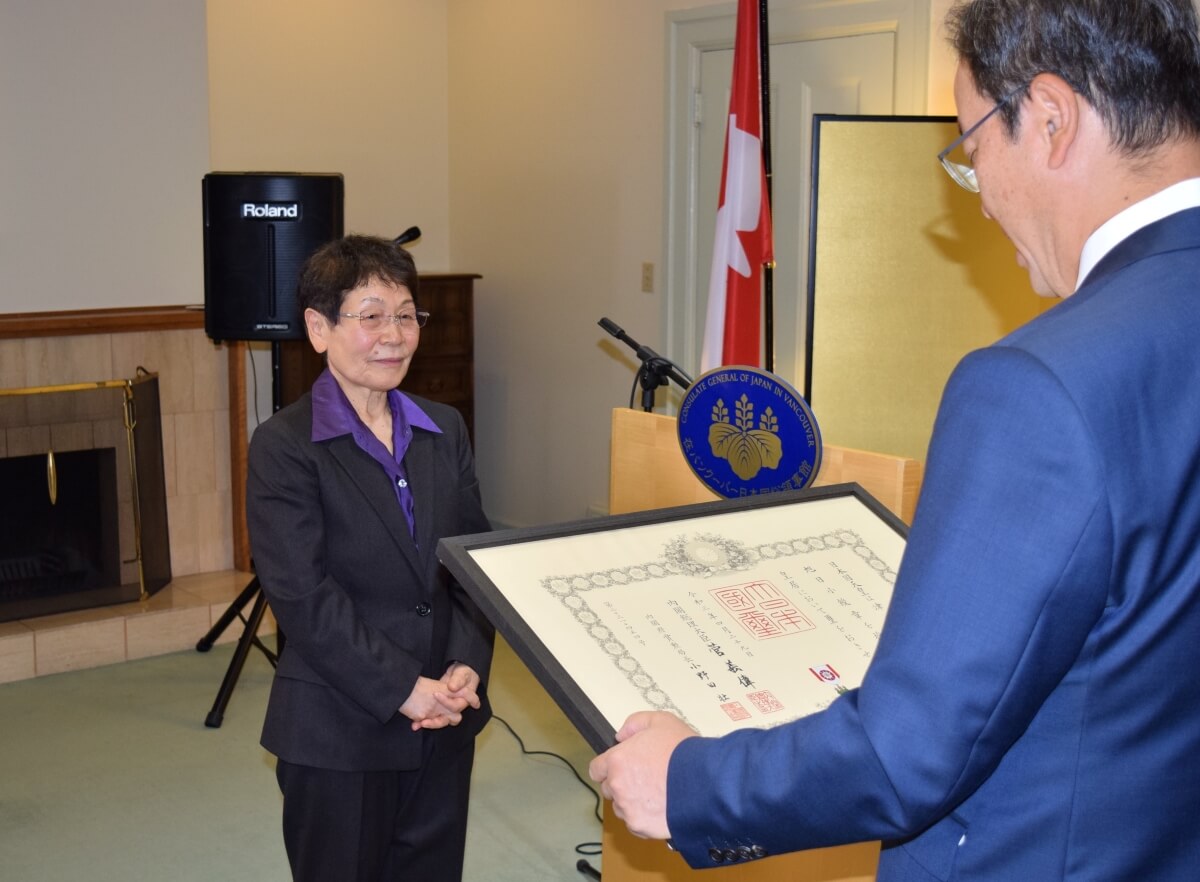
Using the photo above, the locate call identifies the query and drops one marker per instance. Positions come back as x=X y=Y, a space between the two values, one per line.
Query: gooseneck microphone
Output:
x=409 y=235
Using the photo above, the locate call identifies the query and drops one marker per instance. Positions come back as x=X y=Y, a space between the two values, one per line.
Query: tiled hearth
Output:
x=172 y=620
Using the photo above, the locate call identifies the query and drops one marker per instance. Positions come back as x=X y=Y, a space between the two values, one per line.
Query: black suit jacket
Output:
x=365 y=610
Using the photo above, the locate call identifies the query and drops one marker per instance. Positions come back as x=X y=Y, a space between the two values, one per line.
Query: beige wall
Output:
x=941 y=62
x=525 y=138
x=556 y=190
x=103 y=138
x=357 y=87
x=537 y=126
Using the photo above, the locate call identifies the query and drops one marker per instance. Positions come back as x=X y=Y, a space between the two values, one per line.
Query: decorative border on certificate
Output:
x=734 y=613
x=761 y=609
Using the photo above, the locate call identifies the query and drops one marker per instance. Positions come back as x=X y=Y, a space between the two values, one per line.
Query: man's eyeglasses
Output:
x=964 y=175
x=372 y=322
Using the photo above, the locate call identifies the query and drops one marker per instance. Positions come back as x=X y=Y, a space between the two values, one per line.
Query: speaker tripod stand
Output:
x=248 y=639
x=253 y=591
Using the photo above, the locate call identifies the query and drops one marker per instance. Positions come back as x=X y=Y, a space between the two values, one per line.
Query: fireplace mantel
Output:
x=16 y=325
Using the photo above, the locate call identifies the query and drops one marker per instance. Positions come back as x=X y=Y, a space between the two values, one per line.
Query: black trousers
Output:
x=378 y=826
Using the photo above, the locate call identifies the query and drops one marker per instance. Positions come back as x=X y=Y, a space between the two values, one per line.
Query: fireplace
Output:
x=84 y=518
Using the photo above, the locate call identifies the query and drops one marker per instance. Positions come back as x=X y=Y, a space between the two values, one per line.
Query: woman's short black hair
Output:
x=340 y=266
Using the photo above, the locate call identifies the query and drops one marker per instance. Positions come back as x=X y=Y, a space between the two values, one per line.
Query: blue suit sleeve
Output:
x=1005 y=573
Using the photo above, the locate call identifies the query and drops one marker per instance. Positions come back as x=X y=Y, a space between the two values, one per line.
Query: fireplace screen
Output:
x=84 y=519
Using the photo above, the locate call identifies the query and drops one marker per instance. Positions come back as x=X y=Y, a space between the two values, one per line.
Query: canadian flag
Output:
x=743 y=238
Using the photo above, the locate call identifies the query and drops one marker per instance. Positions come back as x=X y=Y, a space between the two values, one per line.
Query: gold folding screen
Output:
x=906 y=276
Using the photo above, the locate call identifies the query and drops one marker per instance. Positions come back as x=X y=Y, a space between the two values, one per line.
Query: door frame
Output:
x=690 y=33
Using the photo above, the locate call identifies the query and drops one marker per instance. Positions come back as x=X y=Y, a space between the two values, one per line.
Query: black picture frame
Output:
x=571 y=695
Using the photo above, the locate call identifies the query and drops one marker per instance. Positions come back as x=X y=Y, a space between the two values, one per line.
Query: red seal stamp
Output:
x=762 y=609
x=735 y=710
x=765 y=701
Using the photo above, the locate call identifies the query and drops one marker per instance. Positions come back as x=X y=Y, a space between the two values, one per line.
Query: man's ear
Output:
x=318 y=327
x=1054 y=113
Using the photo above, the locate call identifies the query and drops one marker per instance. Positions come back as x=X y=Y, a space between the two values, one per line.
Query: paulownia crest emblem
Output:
x=747 y=449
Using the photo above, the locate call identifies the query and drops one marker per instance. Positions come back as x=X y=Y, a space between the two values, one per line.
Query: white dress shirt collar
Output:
x=1176 y=198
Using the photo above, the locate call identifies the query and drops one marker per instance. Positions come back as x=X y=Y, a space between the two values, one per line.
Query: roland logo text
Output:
x=271 y=210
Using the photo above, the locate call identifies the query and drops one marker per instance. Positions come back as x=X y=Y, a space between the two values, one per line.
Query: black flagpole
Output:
x=764 y=54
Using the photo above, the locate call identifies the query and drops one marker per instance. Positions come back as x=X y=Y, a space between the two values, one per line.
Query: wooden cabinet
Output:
x=444 y=366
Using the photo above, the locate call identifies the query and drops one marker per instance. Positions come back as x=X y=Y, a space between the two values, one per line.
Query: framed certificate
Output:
x=734 y=613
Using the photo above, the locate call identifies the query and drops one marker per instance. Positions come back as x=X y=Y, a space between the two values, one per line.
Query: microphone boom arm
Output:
x=655 y=370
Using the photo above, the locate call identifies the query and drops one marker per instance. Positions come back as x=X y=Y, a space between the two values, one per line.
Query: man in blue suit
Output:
x=1032 y=711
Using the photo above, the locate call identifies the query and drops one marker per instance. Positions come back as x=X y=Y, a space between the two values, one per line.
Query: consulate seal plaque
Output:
x=744 y=431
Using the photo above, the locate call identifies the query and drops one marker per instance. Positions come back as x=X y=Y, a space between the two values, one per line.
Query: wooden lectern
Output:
x=648 y=471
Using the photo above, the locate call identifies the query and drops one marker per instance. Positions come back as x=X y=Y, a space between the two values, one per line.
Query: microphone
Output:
x=407 y=236
x=655 y=363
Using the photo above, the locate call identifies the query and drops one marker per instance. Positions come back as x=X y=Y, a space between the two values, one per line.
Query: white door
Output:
x=846 y=68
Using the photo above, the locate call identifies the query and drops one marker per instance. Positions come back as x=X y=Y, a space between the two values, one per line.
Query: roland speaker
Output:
x=259 y=228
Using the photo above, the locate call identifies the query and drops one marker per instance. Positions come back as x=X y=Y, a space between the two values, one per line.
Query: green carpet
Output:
x=111 y=774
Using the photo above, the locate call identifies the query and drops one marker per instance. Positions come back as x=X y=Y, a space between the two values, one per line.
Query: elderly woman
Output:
x=380 y=690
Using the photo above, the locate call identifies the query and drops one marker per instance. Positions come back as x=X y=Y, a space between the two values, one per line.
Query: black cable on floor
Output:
x=585 y=848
